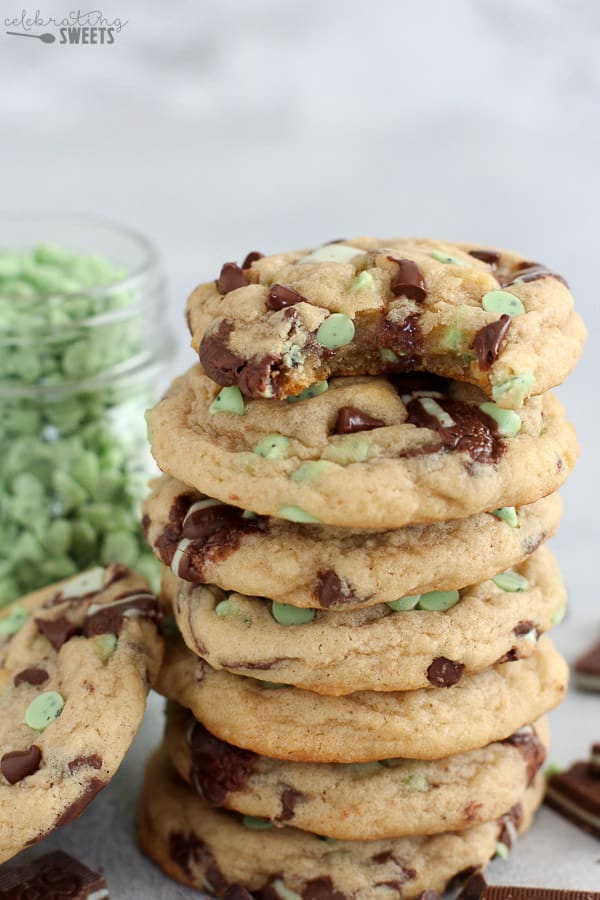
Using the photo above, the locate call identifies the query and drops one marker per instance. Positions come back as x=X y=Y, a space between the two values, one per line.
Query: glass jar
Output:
x=83 y=347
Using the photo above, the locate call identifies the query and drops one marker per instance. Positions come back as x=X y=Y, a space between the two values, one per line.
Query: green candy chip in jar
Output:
x=336 y=331
x=291 y=615
x=43 y=710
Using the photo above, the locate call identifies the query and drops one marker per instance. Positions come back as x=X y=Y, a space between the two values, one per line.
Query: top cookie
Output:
x=76 y=663
x=281 y=323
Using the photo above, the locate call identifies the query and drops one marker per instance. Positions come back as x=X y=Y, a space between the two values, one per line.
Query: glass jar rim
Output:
x=150 y=258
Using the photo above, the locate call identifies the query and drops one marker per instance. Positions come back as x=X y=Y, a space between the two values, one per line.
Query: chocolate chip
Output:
x=321 y=889
x=81 y=762
x=405 y=340
x=56 y=876
x=186 y=849
x=401 y=874
x=280 y=297
x=58 y=631
x=146 y=524
x=350 y=420
x=531 y=749
x=487 y=340
x=237 y=892
x=472 y=430
x=444 y=672
x=408 y=281
x=473 y=888
x=332 y=591
x=524 y=627
x=18 y=764
x=92 y=788
x=491 y=257
x=218 y=768
x=289 y=799
x=252 y=257
x=220 y=363
x=32 y=675
x=509 y=826
x=257 y=375
x=231 y=278
x=110 y=619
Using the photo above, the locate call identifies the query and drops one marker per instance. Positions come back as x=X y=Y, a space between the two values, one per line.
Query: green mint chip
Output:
x=257 y=823
x=273 y=446
x=507 y=514
x=104 y=646
x=447 y=259
x=336 y=331
x=228 y=400
x=308 y=393
x=43 y=710
x=511 y=581
x=13 y=622
x=404 y=603
x=502 y=302
x=508 y=422
x=513 y=391
x=291 y=615
x=438 y=601
x=296 y=514
x=362 y=282
x=339 y=253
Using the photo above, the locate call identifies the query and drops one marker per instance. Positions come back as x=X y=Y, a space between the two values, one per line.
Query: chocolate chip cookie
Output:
x=207 y=541
x=76 y=660
x=359 y=801
x=389 y=647
x=432 y=450
x=288 y=723
x=279 y=325
x=243 y=857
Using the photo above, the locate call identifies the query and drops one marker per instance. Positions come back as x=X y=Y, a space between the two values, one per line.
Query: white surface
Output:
x=221 y=127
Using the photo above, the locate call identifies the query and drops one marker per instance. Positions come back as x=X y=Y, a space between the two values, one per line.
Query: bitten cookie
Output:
x=207 y=541
x=284 y=323
x=214 y=850
x=389 y=647
x=77 y=660
x=360 y=801
x=366 y=453
x=289 y=723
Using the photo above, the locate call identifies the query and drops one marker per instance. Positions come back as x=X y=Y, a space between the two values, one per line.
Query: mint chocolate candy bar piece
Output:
x=56 y=874
x=586 y=671
x=575 y=794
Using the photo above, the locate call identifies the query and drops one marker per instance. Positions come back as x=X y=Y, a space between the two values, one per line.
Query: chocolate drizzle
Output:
x=218 y=768
x=486 y=342
x=491 y=257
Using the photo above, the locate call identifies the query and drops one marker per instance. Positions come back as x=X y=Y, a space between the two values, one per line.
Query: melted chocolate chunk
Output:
x=216 y=531
x=167 y=543
x=237 y=892
x=231 y=278
x=203 y=523
x=472 y=431
x=252 y=257
x=187 y=849
x=257 y=374
x=19 y=764
x=473 y=888
x=220 y=363
x=94 y=762
x=110 y=619
x=321 y=889
x=419 y=381
x=491 y=257
x=509 y=826
x=350 y=420
x=92 y=788
x=280 y=297
x=529 y=271
x=401 y=876
x=405 y=340
x=56 y=876
x=522 y=628
x=531 y=749
x=58 y=631
x=32 y=675
x=289 y=799
x=218 y=768
x=444 y=672
x=332 y=591
x=486 y=342
x=408 y=281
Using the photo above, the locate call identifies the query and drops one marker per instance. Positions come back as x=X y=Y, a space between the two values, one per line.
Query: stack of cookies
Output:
x=359 y=478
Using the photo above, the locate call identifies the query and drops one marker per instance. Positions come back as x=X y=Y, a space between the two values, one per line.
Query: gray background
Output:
x=221 y=127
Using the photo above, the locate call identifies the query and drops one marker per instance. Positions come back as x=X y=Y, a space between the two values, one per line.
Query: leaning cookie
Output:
x=288 y=723
x=77 y=662
x=206 y=541
x=366 y=453
x=360 y=801
x=368 y=307
x=389 y=647
x=214 y=850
